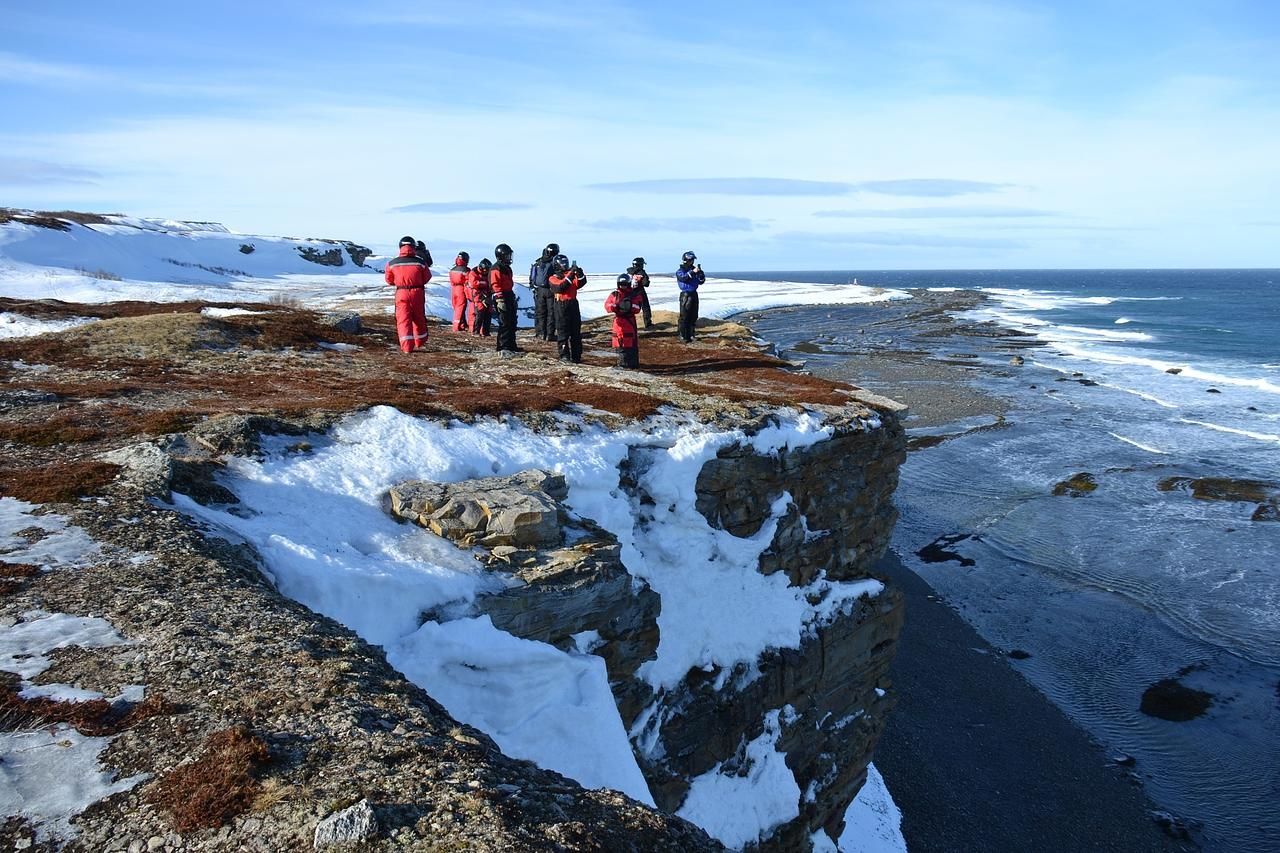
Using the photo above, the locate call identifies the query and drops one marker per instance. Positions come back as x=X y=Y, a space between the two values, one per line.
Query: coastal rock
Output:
x=350 y=826
x=520 y=511
x=1269 y=511
x=347 y=321
x=1169 y=699
x=1173 y=370
x=325 y=258
x=1222 y=489
x=1017 y=360
x=1077 y=485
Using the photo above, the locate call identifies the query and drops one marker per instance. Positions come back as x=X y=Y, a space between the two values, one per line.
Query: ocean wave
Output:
x=1138 y=445
x=1143 y=394
x=1187 y=371
x=1120 y=321
x=1260 y=436
x=1104 y=334
x=1048 y=300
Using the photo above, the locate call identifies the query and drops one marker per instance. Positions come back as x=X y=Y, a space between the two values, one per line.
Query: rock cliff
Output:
x=152 y=405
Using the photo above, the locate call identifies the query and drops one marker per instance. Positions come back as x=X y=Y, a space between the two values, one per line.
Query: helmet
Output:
x=624 y=280
x=462 y=259
x=422 y=247
x=484 y=264
x=637 y=262
x=406 y=241
x=560 y=262
x=502 y=250
x=551 y=250
x=688 y=257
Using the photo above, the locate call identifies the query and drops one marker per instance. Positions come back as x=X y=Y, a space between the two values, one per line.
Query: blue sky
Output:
x=821 y=135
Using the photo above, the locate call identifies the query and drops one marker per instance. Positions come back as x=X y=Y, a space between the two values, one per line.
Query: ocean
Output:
x=1164 y=387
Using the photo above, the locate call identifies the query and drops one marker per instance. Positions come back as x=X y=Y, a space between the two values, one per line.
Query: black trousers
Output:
x=646 y=311
x=688 y=315
x=506 y=306
x=544 y=314
x=628 y=356
x=569 y=330
x=480 y=318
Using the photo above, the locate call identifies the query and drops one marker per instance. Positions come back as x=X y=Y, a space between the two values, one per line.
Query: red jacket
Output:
x=478 y=289
x=501 y=280
x=565 y=285
x=407 y=271
x=458 y=276
x=624 y=307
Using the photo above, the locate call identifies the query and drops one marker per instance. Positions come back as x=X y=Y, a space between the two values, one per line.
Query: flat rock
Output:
x=349 y=826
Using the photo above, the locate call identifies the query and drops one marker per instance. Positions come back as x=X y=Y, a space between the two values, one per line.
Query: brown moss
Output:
x=217 y=786
x=58 y=483
x=94 y=718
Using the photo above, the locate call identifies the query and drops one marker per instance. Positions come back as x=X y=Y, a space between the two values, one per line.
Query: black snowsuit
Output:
x=646 y=312
x=544 y=315
x=568 y=314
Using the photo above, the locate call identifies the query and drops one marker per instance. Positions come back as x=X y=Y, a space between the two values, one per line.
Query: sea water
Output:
x=1145 y=379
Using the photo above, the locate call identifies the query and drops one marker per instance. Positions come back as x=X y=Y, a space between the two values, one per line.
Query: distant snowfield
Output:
x=162 y=261
x=317 y=520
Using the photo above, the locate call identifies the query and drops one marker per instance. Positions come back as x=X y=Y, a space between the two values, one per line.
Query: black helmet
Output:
x=406 y=240
x=502 y=250
x=560 y=262
x=551 y=250
x=462 y=259
x=624 y=280
x=422 y=247
x=688 y=257
x=637 y=262
x=484 y=264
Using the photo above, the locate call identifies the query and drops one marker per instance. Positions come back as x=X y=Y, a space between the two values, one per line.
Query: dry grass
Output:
x=94 y=718
x=218 y=785
x=60 y=483
x=14 y=575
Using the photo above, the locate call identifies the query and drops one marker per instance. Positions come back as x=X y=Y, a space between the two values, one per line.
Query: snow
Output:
x=20 y=326
x=872 y=824
x=25 y=646
x=50 y=776
x=227 y=312
x=739 y=806
x=62 y=545
x=532 y=698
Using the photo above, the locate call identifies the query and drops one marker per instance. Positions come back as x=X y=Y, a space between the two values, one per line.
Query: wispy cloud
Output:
x=684 y=223
x=898 y=239
x=459 y=206
x=18 y=171
x=930 y=187
x=973 y=212
x=18 y=68
x=728 y=186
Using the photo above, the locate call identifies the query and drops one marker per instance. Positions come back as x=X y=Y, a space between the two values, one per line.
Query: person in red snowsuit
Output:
x=624 y=303
x=504 y=298
x=409 y=275
x=458 y=290
x=480 y=293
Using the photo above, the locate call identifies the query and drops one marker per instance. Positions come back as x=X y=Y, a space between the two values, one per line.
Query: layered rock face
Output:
x=559 y=578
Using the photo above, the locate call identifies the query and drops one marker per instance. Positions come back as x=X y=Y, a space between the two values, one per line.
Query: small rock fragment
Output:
x=349 y=826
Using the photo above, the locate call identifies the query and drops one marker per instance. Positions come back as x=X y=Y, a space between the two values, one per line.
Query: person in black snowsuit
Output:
x=688 y=278
x=420 y=249
x=641 y=285
x=544 y=315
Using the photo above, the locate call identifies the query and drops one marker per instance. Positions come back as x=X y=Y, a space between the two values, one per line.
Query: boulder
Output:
x=349 y=826
x=347 y=321
x=520 y=511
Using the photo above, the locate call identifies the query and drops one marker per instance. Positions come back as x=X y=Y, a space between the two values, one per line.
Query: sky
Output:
x=916 y=134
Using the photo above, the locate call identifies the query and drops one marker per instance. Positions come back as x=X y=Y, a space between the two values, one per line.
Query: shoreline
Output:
x=971 y=732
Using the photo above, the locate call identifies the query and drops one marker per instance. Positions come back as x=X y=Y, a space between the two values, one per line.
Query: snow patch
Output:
x=20 y=326
x=25 y=646
x=61 y=545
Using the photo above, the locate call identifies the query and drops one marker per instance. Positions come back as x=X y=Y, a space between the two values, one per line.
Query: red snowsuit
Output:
x=478 y=292
x=458 y=289
x=409 y=275
x=624 y=305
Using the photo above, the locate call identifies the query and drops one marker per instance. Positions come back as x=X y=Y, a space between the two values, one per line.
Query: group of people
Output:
x=487 y=291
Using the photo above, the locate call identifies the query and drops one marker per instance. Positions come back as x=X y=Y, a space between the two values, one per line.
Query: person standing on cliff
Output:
x=458 y=291
x=640 y=278
x=481 y=297
x=624 y=303
x=544 y=316
x=565 y=280
x=504 y=298
x=688 y=278
x=409 y=275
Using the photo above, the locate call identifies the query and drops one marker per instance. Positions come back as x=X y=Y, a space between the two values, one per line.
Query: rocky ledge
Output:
x=271 y=727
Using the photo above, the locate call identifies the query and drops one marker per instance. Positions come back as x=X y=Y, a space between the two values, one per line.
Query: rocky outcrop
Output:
x=325 y=258
x=831 y=695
